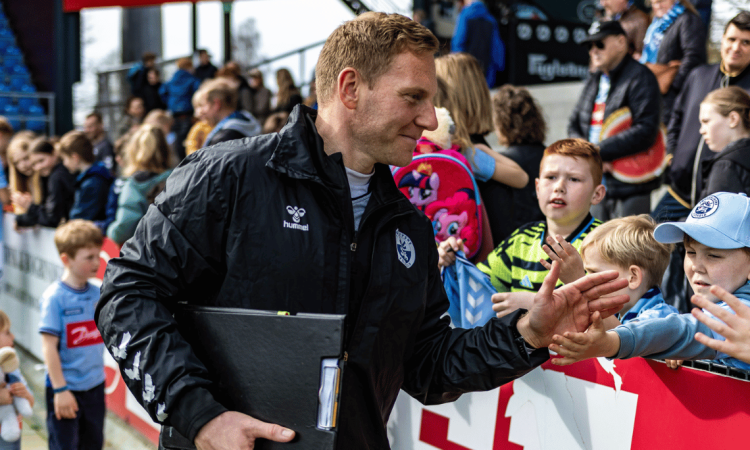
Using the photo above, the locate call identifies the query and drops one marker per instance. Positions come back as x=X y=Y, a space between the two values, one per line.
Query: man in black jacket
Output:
x=619 y=82
x=684 y=141
x=228 y=232
x=216 y=103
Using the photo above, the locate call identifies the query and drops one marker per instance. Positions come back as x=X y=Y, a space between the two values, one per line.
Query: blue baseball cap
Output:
x=721 y=220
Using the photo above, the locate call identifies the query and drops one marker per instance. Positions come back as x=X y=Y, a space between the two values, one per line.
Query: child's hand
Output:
x=20 y=390
x=6 y=398
x=507 y=302
x=734 y=327
x=66 y=405
x=673 y=363
x=22 y=199
x=594 y=342
x=571 y=264
x=447 y=251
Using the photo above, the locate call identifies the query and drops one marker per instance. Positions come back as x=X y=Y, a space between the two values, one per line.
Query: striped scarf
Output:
x=655 y=33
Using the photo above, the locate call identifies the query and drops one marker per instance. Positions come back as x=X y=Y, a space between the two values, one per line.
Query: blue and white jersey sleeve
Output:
x=482 y=164
x=51 y=317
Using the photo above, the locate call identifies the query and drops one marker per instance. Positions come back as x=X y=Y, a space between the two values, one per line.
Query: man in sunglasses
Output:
x=618 y=81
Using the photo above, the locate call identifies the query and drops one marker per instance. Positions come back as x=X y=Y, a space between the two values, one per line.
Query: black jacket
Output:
x=683 y=134
x=685 y=41
x=58 y=199
x=729 y=171
x=232 y=241
x=526 y=204
x=634 y=86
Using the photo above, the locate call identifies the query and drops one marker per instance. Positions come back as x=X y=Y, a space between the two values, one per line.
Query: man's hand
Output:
x=569 y=308
x=507 y=302
x=560 y=250
x=736 y=327
x=236 y=431
x=447 y=251
x=66 y=405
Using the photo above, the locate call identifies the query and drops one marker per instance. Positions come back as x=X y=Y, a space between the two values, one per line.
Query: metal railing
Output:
x=25 y=121
x=113 y=88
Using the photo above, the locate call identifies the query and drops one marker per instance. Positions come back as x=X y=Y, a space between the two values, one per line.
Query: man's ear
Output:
x=635 y=277
x=348 y=85
x=599 y=193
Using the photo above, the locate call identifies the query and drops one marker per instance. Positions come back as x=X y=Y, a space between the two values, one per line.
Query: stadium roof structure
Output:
x=77 y=5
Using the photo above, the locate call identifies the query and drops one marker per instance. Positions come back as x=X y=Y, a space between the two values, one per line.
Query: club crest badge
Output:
x=405 y=249
x=705 y=207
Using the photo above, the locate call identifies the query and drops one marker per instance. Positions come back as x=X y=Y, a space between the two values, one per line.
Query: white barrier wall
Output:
x=30 y=264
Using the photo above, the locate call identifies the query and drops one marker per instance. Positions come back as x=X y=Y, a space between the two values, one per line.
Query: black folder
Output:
x=265 y=365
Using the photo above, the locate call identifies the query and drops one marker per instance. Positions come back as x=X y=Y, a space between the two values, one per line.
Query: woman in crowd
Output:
x=470 y=108
x=675 y=43
x=520 y=126
x=231 y=71
x=147 y=166
x=289 y=95
x=59 y=184
x=22 y=180
x=260 y=96
x=725 y=125
x=131 y=120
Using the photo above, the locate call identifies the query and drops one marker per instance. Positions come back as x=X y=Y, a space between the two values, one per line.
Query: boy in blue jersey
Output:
x=71 y=344
x=628 y=246
x=717 y=253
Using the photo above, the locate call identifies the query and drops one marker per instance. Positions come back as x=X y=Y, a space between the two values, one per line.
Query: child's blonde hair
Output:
x=76 y=235
x=147 y=150
x=630 y=241
x=4 y=322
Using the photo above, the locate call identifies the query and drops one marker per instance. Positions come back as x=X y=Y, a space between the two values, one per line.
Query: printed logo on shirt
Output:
x=527 y=283
x=72 y=311
x=405 y=249
x=82 y=334
x=297 y=214
x=706 y=207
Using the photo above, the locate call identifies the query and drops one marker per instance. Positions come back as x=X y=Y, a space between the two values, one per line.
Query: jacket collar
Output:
x=615 y=73
x=300 y=154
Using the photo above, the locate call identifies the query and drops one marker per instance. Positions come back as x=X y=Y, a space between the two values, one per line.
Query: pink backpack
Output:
x=441 y=184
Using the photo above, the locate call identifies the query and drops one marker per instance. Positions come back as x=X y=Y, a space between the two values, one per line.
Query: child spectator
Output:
x=147 y=166
x=717 y=247
x=135 y=109
x=17 y=389
x=725 y=126
x=60 y=188
x=21 y=176
x=93 y=180
x=71 y=345
x=470 y=106
x=6 y=133
x=520 y=126
x=569 y=182
x=628 y=246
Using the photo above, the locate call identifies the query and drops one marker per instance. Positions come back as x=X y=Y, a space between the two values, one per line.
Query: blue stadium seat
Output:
x=27 y=104
x=20 y=69
x=5 y=101
x=38 y=126
x=34 y=110
x=5 y=31
x=11 y=110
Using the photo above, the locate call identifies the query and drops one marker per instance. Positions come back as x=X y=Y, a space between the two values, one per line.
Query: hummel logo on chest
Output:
x=296 y=213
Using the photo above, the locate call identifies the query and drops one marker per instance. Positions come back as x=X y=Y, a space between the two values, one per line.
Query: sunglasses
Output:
x=597 y=44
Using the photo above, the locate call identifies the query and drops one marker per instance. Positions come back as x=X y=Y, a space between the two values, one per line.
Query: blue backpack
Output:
x=470 y=293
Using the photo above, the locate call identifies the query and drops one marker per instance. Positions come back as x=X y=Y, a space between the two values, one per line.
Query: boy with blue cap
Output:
x=717 y=246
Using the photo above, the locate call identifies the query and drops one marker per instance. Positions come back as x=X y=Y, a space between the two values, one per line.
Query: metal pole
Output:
x=302 y=74
x=195 y=27
x=227 y=31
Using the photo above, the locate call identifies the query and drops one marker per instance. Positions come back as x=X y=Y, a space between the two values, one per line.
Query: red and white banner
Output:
x=595 y=404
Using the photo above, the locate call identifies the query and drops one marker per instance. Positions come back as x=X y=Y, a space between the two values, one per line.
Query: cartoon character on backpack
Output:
x=456 y=216
x=440 y=183
x=422 y=184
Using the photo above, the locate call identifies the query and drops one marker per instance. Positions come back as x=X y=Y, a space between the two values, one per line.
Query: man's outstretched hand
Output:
x=569 y=307
x=233 y=431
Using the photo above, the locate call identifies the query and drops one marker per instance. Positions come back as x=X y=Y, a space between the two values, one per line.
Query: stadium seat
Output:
x=38 y=126
x=34 y=110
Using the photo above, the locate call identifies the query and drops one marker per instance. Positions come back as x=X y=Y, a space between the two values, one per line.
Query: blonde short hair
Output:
x=75 y=235
x=218 y=88
x=368 y=44
x=630 y=241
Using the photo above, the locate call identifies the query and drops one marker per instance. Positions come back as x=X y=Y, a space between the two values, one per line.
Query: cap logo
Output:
x=594 y=28
x=705 y=207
